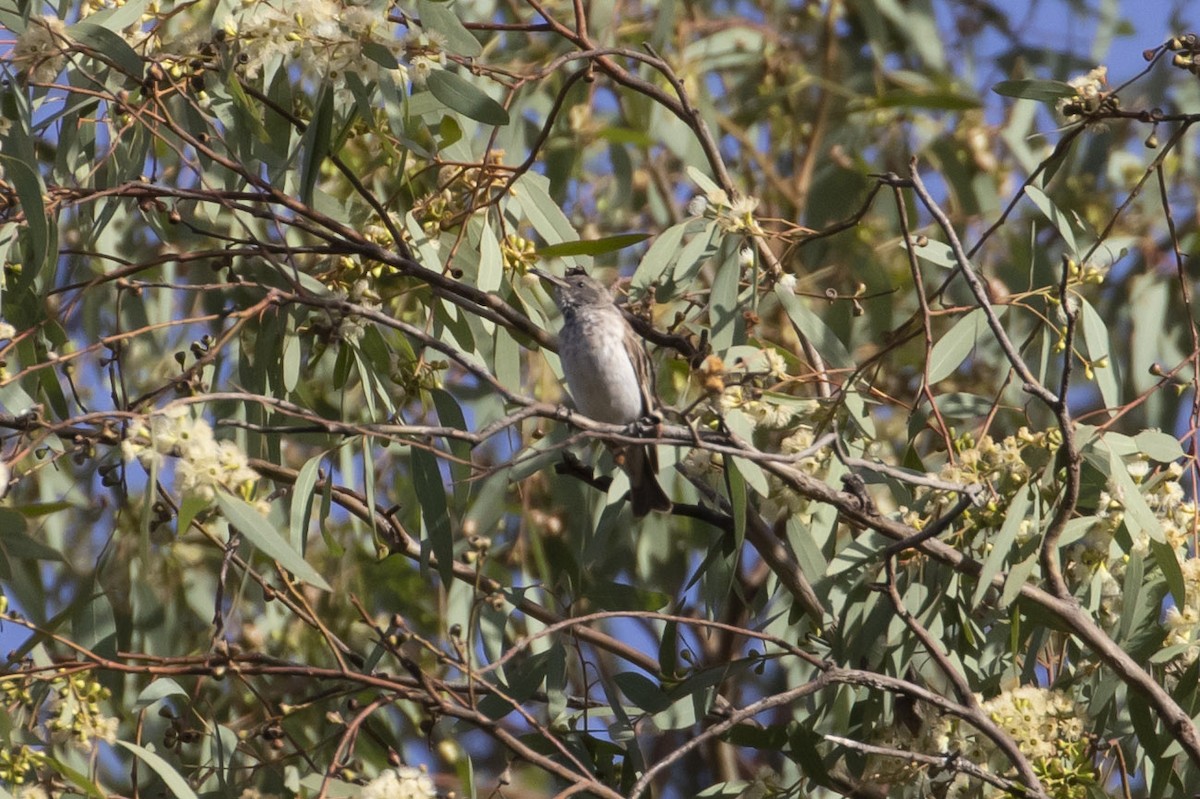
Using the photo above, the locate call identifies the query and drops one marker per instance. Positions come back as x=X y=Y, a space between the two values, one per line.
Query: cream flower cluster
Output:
x=732 y=216
x=1165 y=496
x=401 y=783
x=765 y=413
x=783 y=500
x=1183 y=621
x=351 y=327
x=1000 y=466
x=1089 y=92
x=40 y=52
x=1042 y=721
x=1048 y=726
x=205 y=464
x=324 y=38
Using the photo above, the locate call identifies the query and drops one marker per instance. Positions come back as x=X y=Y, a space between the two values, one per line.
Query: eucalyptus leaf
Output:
x=466 y=98
x=255 y=528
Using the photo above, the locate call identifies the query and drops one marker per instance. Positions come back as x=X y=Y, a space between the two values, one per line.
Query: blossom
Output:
x=40 y=52
x=350 y=327
x=1089 y=92
x=401 y=783
x=1048 y=726
x=205 y=464
x=324 y=38
x=746 y=257
x=32 y=792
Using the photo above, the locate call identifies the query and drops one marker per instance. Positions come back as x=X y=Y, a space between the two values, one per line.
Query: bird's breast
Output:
x=598 y=371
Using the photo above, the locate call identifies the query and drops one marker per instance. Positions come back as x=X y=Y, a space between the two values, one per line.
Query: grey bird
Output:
x=609 y=376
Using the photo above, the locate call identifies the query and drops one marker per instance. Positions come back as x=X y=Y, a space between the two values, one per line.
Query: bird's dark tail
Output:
x=645 y=494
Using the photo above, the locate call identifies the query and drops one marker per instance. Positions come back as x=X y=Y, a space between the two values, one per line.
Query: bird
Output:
x=608 y=375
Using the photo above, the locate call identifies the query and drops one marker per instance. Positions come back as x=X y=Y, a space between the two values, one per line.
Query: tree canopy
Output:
x=296 y=504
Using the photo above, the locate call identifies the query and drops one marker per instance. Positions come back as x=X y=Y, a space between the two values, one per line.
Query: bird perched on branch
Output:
x=609 y=376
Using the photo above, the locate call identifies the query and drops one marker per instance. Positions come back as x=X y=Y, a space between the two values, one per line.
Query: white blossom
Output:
x=40 y=52
x=401 y=783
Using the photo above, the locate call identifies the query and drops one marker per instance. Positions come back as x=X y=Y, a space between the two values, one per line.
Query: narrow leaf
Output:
x=315 y=145
x=466 y=98
x=174 y=780
x=1159 y=446
x=656 y=260
x=593 y=246
x=259 y=532
x=30 y=190
x=812 y=327
x=1002 y=544
x=159 y=689
x=438 y=17
x=108 y=45
x=1046 y=91
x=953 y=348
x=427 y=482
x=1051 y=211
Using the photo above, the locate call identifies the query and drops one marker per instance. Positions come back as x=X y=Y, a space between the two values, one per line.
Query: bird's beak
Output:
x=554 y=280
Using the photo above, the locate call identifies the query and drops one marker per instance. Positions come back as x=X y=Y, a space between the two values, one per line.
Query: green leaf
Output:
x=622 y=596
x=773 y=738
x=724 y=310
x=30 y=190
x=175 y=782
x=1159 y=446
x=491 y=260
x=251 y=112
x=702 y=180
x=161 y=688
x=668 y=655
x=380 y=55
x=120 y=17
x=644 y=693
x=963 y=406
x=533 y=194
x=466 y=98
x=1046 y=91
x=736 y=486
x=741 y=426
x=427 y=483
x=438 y=17
x=450 y=414
x=110 y=46
x=724 y=790
x=1003 y=543
x=1095 y=339
x=1134 y=596
x=1168 y=561
x=593 y=246
x=315 y=145
x=259 y=532
x=188 y=509
x=935 y=252
x=803 y=744
x=17 y=543
x=813 y=328
x=656 y=260
x=1138 y=515
x=695 y=252
x=317 y=782
x=1060 y=220
x=955 y=345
